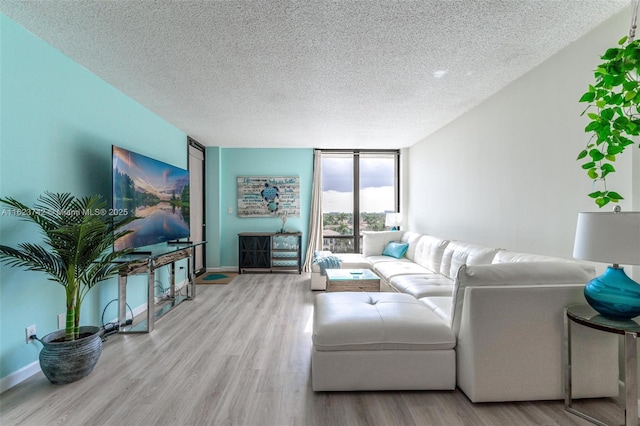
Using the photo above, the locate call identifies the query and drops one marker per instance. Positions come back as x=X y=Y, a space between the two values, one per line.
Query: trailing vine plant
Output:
x=614 y=110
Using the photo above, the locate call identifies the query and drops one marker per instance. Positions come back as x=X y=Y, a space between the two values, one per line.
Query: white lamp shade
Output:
x=393 y=219
x=608 y=237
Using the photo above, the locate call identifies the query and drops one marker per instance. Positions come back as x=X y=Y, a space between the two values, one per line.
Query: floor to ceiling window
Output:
x=358 y=188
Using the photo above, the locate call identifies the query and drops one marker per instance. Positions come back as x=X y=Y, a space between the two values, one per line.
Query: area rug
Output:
x=216 y=278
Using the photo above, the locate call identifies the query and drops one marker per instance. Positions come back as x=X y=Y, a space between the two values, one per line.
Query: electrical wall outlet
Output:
x=62 y=319
x=30 y=331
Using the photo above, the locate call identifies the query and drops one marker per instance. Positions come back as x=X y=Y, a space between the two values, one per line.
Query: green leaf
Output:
x=616 y=99
x=596 y=155
x=623 y=40
x=625 y=142
x=628 y=65
x=607 y=114
x=629 y=95
x=593 y=116
x=603 y=133
x=610 y=157
x=607 y=80
x=614 y=196
x=611 y=53
x=588 y=165
x=631 y=49
x=596 y=194
x=592 y=173
x=622 y=121
x=632 y=127
x=602 y=201
x=616 y=66
x=582 y=154
x=592 y=126
x=605 y=171
x=588 y=97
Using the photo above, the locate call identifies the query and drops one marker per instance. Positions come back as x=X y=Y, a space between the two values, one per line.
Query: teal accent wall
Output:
x=236 y=162
x=58 y=122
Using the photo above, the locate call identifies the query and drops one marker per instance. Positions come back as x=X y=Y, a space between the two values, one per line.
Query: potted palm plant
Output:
x=77 y=253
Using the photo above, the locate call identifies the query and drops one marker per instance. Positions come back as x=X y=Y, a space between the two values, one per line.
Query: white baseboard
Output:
x=19 y=376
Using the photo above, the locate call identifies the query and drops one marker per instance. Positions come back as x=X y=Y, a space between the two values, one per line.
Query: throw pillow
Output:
x=395 y=249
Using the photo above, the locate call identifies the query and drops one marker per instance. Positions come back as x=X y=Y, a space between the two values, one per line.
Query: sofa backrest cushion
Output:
x=506 y=256
x=515 y=274
x=412 y=239
x=374 y=243
x=429 y=252
x=458 y=253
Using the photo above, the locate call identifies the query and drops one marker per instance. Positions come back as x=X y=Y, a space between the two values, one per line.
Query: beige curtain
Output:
x=315 y=219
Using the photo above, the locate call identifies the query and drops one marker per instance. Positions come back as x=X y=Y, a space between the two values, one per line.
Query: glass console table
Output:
x=147 y=263
x=589 y=317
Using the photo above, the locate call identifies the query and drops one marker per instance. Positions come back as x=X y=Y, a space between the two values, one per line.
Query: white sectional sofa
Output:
x=503 y=311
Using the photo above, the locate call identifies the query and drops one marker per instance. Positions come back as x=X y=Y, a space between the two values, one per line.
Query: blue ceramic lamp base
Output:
x=614 y=295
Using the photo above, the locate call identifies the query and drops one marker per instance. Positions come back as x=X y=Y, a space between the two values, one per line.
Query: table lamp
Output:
x=612 y=237
x=394 y=220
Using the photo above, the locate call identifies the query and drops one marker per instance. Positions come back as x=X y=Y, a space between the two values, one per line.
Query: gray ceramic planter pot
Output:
x=67 y=362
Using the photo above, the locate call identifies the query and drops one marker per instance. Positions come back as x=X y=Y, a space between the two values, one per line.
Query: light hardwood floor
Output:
x=239 y=354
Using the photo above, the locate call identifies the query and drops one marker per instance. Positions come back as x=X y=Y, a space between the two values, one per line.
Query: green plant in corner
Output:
x=77 y=254
x=614 y=110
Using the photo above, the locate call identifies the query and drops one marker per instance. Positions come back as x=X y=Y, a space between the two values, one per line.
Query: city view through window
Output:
x=358 y=189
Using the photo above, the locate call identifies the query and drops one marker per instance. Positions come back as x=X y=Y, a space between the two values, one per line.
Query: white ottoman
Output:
x=347 y=261
x=379 y=341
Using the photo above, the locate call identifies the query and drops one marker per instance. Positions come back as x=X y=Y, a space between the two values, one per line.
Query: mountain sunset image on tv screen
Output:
x=156 y=192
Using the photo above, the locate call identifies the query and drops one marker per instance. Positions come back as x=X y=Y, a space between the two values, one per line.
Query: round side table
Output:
x=589 y=317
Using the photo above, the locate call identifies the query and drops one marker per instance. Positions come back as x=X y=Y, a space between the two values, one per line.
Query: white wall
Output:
x=504 y=174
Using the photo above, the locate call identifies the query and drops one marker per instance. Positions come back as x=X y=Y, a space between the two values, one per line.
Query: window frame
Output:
x=356 y=153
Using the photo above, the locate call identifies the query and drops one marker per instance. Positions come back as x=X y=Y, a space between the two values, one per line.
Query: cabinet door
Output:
x=255 y=251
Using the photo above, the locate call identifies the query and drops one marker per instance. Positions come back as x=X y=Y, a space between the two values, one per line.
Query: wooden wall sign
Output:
x=268 y=196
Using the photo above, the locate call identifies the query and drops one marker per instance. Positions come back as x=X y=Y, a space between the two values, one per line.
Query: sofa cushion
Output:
x=395 y=249
x=400 y=267
x=412 y=239
x=459 y=253
x=374 y=260
x=353 y=261
x=347 y=261
x=423 y=285
x=505 y=256
x=441 y=305
x=374 y=242
x=429 y=252
x=515 y=274
x=352 y=321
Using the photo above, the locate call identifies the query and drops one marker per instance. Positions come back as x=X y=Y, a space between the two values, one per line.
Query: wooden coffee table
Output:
x=352 y=280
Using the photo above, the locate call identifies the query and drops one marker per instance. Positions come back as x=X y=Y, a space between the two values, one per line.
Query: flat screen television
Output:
x=156 y=192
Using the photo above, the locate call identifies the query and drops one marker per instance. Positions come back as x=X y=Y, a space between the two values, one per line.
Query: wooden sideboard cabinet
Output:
x=269 y=251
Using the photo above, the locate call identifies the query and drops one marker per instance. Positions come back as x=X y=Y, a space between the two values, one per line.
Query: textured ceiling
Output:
x=328 y=74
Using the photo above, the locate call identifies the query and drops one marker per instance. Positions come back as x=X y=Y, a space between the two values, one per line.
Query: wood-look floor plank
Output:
x=240 y=354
